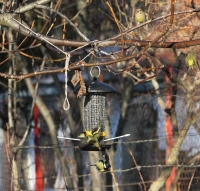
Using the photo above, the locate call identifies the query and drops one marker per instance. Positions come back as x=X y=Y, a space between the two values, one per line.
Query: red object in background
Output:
x=101 y=77
x=169 y=132
x=39 y=185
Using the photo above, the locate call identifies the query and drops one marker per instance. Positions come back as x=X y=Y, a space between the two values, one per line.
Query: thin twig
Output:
x=189 y=185
x=68 y=20
x=137 y=167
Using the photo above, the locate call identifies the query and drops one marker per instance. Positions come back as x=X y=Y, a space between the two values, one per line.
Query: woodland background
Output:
x=157 y=99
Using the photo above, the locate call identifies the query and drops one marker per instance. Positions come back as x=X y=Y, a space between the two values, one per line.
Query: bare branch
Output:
x=7 y=20
x=61 y=70
x=30 y=6
x=68 y=20
x=153 y=20
x=138 y=168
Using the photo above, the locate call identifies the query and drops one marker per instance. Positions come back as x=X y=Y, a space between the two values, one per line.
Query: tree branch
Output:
x=30 y=6
x=60 y=70
x=7 y=20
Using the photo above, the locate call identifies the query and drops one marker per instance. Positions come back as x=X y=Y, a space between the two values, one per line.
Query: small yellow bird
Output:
x=96 y=133
x=191 y=60
x=92 y=137
x=139 y=16
x=102 y=165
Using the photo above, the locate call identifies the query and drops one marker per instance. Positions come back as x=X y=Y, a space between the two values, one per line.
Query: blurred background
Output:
x=157 y=95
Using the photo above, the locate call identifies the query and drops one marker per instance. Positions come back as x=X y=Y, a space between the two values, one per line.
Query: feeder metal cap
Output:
x=96 y=86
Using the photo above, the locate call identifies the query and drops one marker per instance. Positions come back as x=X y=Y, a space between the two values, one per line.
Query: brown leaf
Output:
x=82 y=89
x=75 y=79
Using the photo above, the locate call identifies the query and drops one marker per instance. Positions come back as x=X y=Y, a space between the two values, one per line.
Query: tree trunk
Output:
x=140 y=122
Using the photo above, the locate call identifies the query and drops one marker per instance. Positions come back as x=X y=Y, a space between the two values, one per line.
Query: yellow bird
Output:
x=95 y=137
x=102 y=165
x=139 y=16
x=92 y=137
x=190 y=60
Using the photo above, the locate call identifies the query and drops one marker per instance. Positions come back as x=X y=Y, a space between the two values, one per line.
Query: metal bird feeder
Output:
x=94 y=109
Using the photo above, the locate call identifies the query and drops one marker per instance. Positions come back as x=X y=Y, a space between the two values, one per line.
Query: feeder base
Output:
x=93 y=148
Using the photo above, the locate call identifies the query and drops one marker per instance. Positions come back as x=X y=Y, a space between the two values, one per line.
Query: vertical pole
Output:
x=38 y=169
x=169 y=132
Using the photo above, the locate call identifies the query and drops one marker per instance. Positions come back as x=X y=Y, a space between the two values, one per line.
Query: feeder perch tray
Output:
x=93 y=148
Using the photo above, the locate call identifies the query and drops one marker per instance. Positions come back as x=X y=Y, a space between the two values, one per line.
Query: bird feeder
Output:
x=94 y=109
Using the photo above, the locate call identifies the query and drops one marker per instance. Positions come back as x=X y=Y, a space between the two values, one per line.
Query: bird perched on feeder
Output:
x=95 y=137
x=191 y=60
x=92 y=137
x=103 y=164
x=140 y=16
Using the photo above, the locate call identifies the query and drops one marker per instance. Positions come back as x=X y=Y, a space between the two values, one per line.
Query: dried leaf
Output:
x=82 y=89
x=75 y=79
